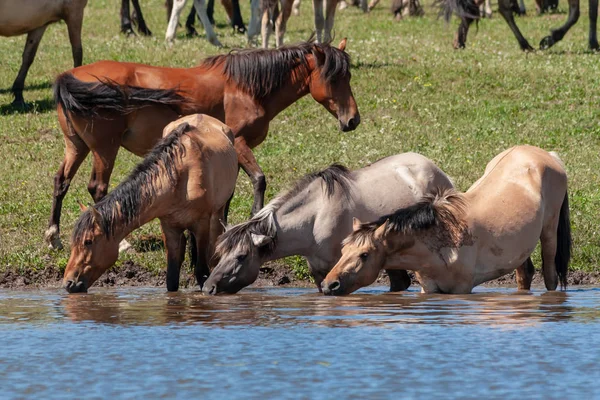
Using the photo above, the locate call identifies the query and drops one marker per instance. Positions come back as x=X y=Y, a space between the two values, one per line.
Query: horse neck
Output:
x=297 y=87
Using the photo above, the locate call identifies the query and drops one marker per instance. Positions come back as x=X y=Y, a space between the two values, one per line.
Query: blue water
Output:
x=293 y=343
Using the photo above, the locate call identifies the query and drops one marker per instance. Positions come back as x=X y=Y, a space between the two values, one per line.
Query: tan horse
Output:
x=314 y=217
x=455 y=242
x=185 y=181
x=32 y=17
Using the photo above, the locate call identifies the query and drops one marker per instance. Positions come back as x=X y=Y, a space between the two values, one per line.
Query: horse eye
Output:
x=87 y=242
x=364 y=256
x=242 y=257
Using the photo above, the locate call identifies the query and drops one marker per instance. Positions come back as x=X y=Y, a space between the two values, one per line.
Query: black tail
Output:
x=462 y=8
x=563 y=243
x=87 y=98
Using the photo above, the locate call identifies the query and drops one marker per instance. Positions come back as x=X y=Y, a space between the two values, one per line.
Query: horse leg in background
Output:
x=593 y=39
x=486 y=9
x=364 y=6
x=524 y=275
x=74 y=22
x=31 y=45
x=174 y=240
x=255 y=25
x=330 y=7
x=296 y=7
x=265 y=21
x=319 y=19
x=210 y=11
x=75 y=152
x=126 y=27
x=250 y=166
x=372 y=4
x=216 y=230
x=281 y=22
x=235 y=15
x=506 y=10
x=190 y=21
x=549 y=243
x=201 y=235
x=139 y=19
x=556 y=35
x=463 y=29
x=522 y=9
x=174 y=19
x=399 y=280
x=208 y=28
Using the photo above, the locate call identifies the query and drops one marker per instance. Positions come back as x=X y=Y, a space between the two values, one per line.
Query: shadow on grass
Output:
x=38 y=86
x=38 y=106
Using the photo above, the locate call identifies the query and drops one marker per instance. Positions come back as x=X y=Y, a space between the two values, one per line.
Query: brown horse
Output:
x=109 y=104
x=455 y=241
x=185 y=182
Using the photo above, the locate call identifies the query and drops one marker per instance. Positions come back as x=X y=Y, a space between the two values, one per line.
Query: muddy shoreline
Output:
x=271 y=274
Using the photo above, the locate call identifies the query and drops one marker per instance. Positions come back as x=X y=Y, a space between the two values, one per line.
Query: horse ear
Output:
x=260 y=240
x=82 y=207
x=342 y=45
x=319 y=55
x=379 y=232
x=96 y=215
x=356 y=224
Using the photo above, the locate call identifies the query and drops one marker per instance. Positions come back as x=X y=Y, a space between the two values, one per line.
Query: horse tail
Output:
x=564 y=243
x=462 y=8
x=87 y=98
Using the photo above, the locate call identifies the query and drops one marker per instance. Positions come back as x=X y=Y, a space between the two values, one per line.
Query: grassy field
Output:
x=415 y=93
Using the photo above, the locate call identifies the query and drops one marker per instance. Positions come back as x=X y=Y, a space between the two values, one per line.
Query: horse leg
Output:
x=210 y=33
x=74 y=23
x=372 y=4
x=364 y=6
x=255 y=25
x=319 y=19
x=487 y=10
x=524 y=275
x=296 y=7
x=557 y=34
x=190 y=21
x=399 y=280
x=549 y=242
x=330 y=7
x=126 y=27
x=201 y=235
x=31 y=45
x=237 y=21
x=174 y=20
x=461 y=35
x=264 y=26
x=505 y=9
x=139 y=17
x=174 y=240
x=281 y=23
x=75 y=152
x=210 y=11
x=593 y=39
x=250 y=166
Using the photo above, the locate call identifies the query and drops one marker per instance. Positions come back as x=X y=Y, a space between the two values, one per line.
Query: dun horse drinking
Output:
x=32 y=17
x=109 y=104
x=455 y=242
x=185 y=182
x=313 y=218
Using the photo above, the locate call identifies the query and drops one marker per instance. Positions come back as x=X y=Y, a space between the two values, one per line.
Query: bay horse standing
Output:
x=468 y=11
x=185 y=181
x=314 y=217
x=455 y=241
x=32 y=17
x=109 y=104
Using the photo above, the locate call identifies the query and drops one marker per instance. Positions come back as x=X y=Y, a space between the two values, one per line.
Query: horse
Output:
x=137 y=17
x=456 y=241
x=109 y=104
x=468 y=11
x=403 y=8
x=323 y=25
x=185 y=182
x=272 y=12
x=314 y=217
x=32 y=17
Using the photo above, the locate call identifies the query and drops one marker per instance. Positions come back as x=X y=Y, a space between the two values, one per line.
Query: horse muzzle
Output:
x=333 y=288
x=76 y=287
x=350 y=124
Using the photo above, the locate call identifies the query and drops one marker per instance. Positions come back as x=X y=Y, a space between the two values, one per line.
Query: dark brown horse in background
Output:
x=468 y=11
x=232 y=7
x=109 y=104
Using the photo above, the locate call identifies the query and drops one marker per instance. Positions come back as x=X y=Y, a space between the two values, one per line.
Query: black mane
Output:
x=124 y=204
x=259 y=72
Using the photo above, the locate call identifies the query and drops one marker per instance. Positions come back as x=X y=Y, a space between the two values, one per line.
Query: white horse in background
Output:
x=32 y=17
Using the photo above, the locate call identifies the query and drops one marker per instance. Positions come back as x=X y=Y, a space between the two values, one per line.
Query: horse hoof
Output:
x=547 y=42
x=124 y=246
x=215 y=42
x=52 y=237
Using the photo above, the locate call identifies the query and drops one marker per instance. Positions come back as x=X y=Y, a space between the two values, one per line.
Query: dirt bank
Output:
x=272 y=274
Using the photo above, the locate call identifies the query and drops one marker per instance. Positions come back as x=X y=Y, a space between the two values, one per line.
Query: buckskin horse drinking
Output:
x=313 y=218
x=109 y=104
x=455 y=241
x=185 y=182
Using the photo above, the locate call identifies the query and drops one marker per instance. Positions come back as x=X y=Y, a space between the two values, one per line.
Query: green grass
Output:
x=415 y=93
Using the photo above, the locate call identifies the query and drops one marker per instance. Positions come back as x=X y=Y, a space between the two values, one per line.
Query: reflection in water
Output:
x=299 y=306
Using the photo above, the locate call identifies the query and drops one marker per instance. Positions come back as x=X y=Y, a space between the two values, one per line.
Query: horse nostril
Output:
x=351 y=124
x=212 y=290
x=333 y=286
x=69 y=285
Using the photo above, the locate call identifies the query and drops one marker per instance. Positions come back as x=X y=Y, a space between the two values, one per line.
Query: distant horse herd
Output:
x=197 y=126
